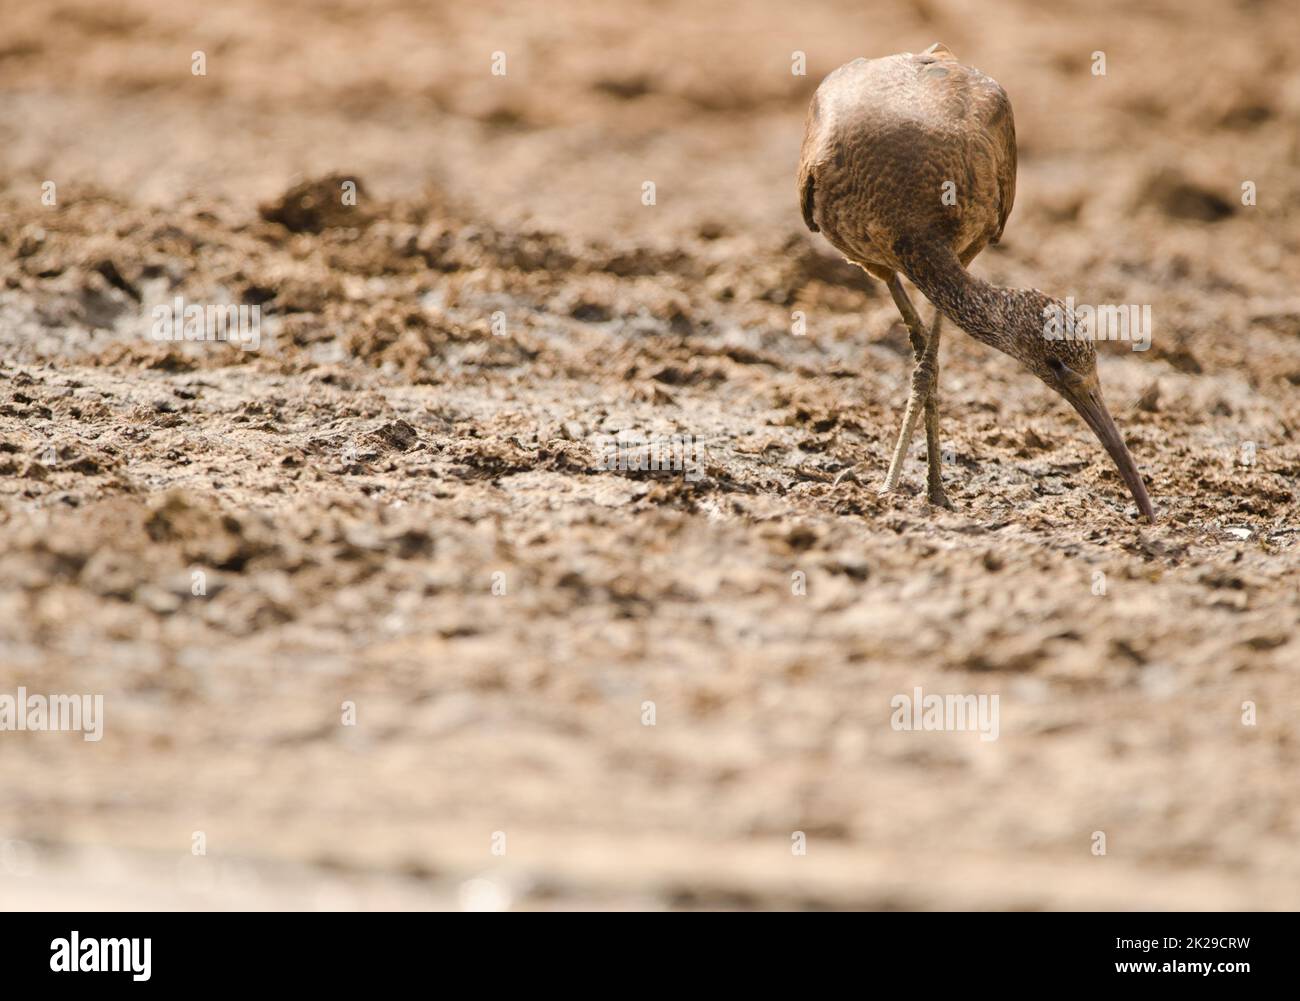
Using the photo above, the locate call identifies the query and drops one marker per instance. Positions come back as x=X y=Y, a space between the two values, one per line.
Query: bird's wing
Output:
x=807 y=156
x=806 y=194
x=993 y=109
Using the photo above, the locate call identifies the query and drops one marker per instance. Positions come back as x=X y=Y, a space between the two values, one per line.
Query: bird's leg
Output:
x=922 y=380
x=934 y=475
x=915 y=328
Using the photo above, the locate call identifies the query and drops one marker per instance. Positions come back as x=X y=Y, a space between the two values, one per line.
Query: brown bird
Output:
x=908 y=167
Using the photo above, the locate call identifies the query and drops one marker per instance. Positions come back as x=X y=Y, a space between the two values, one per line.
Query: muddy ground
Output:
x=398 y=500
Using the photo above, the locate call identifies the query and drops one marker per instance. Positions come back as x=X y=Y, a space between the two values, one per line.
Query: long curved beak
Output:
x=1092 y=408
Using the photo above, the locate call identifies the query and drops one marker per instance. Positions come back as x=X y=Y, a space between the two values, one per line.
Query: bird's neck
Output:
x=1003 y=318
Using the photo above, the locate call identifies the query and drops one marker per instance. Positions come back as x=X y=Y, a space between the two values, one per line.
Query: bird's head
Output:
x=1056 y=348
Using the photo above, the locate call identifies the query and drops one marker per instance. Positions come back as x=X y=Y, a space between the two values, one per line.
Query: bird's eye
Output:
x=1056 y=365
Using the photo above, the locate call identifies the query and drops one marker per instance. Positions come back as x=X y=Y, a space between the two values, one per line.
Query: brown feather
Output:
x=884 y=135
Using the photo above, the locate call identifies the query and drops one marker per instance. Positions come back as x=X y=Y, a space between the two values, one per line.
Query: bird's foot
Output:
x=938 y=498
x=847 y=473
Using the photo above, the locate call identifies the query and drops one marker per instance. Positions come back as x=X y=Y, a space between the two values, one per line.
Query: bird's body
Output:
x=883 y=138
x=908 y=167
